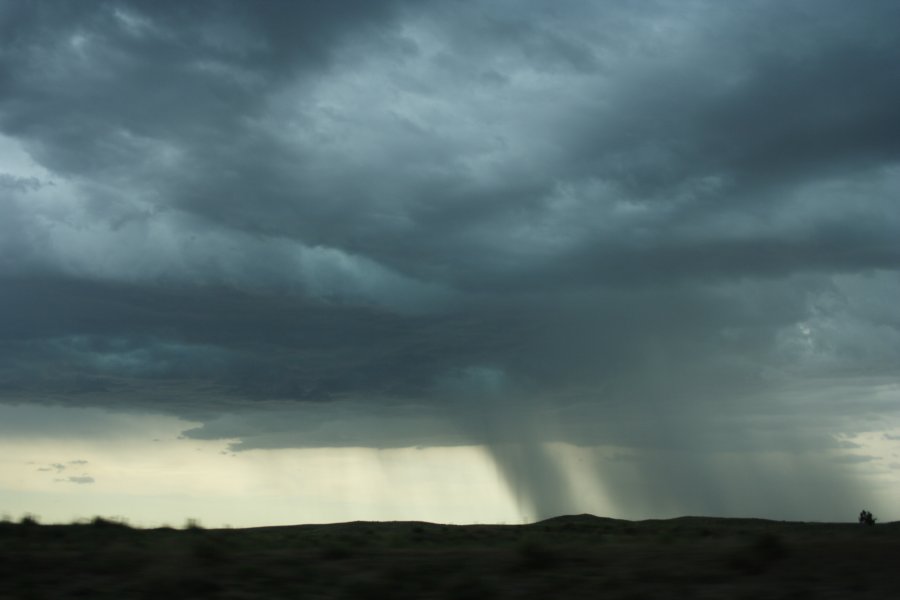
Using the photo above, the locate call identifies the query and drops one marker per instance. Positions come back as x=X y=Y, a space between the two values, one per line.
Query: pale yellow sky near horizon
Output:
x=158 y=478
x=142 y=470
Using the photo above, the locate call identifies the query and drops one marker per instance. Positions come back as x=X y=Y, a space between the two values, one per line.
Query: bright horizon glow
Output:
x=152 y=476
x=144 y=472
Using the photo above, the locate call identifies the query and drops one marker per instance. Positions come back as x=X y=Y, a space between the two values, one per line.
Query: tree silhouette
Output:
x=866 y=518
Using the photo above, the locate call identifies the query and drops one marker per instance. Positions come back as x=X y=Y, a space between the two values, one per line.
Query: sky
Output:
x=285 y=262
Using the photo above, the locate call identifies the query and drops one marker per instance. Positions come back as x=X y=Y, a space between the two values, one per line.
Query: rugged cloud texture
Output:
x=388 y=223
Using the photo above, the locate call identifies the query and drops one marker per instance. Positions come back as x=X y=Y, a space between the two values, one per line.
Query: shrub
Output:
x=209 y=552
x=29 y=520
x=770 y=547
x=470 y=588
x=104 y=523
x=765 y=551
x=335 y=551
x=866 y=518
x=534 y=555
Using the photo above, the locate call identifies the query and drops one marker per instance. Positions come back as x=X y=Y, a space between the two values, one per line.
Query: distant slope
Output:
x=582 y=519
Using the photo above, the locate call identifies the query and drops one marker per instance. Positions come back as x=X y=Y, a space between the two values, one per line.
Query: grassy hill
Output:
x=581 y=556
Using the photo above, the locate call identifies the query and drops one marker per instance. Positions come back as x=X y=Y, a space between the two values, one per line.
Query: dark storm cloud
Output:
x=157 y=69
x=411 y=223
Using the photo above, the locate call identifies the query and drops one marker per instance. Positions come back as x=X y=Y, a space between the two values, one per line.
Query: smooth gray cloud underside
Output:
x=395 y=223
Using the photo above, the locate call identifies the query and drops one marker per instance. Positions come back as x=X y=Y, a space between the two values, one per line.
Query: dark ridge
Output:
x=693 y=520
x=583 y=517
x=747 y=521
x=343 y=525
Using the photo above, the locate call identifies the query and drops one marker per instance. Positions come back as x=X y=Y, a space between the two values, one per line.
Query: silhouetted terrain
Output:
x=565 y=557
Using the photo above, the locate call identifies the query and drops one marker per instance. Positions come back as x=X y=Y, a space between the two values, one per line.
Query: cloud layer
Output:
x=390 y=224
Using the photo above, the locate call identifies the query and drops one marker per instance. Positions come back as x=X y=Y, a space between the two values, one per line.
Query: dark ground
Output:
x=566 y=557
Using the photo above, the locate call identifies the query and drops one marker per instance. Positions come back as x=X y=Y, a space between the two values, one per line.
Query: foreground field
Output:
x=567 y=557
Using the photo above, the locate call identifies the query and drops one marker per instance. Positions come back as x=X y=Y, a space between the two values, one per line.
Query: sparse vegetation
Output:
x=104 y=523
x=765 y=551
x=534 y=554
x=29 y=520
x=568 y=557
x=335 y=550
